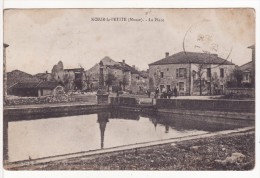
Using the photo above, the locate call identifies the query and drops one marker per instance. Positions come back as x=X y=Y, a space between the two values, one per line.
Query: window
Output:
x=181 y=72
x=137 y=77
x=208 y=72
x=222 y=73
x=161 y=74
x=181 y=86
x=247 y=76
x=167 y=69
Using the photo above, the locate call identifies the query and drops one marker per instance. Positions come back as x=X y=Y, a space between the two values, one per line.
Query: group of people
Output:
x=164 y=93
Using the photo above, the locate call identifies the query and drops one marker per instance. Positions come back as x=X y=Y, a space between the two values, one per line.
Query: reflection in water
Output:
x=38 y=138
x=154 y=121
x=102 y=120
x=167 y=128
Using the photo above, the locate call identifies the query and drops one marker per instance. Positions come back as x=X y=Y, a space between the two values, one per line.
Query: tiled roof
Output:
x=75 y=70
x=192 y=57
x=144 y=74
x=25 y=85
x=127 y=67
x=47 y=85
x=17 y=76
x=124 y=67
x=37 y=85
x=247 y=66
x=41 y=75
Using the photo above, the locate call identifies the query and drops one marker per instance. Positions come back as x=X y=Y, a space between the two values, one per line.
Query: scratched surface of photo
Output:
x=129 y=89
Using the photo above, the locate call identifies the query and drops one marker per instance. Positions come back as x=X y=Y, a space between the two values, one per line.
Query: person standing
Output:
x=169 y=94
x=164 y=93
x=175 y=91
x=148 y=93
x=156 y=92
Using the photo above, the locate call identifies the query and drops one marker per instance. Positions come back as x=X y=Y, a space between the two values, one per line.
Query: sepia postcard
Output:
x=129 y=89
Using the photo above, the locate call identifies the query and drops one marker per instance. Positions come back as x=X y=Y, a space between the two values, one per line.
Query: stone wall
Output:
x=169 y=76
x=190 y=78
x=214 y=105
x=51 y=99
x=246 y=92
x=39 y=100
x=123 y=101
x=51 y=111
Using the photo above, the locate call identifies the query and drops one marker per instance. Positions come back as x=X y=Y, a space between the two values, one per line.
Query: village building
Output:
x=191 y=73
x=33 y=89
x=44 y=76
x=17 y=76
x=79 y=74
x=248 y=69
x=126 y=77
x=22 y=84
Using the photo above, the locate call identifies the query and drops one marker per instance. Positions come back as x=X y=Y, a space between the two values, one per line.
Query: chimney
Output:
x=167 y=54
x=133 y=66
x=123 y=61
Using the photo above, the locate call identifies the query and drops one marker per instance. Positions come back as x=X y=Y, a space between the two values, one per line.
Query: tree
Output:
x=68 y=80
x=109 y=80
x=86 y=81
x=151 y=83
x=125 y=82
x=200 y=72
x=236 y=78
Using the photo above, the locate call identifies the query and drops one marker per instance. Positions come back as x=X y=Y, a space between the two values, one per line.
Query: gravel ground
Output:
x=199 y=154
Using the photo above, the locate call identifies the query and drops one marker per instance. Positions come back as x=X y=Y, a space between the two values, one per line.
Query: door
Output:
x=168 y=87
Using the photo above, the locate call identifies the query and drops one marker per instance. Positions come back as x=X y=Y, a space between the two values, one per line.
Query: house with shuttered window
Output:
x=191 y=72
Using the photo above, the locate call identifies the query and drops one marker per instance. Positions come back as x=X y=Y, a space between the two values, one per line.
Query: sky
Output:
x=39 y=38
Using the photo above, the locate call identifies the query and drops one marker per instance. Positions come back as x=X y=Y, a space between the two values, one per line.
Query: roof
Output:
x=75 y=70
x=247 y=66
x=115 y=67
x=192 y=57
x=36 y=85
x=25 y=85
x=251 y=47
x=17 y=76
x=127 y=67
x=124 y=67
x=144 y=74
x=48 y=85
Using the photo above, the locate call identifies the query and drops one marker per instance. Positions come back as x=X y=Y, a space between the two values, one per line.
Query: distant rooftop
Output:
x=192 y=57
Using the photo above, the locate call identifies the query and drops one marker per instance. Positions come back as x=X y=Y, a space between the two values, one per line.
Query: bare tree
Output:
x=200 y=72
x=109 y=80
x=125 y=82
x=236 y=78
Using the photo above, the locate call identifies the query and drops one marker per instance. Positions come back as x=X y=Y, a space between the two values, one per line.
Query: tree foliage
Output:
x=236 y=78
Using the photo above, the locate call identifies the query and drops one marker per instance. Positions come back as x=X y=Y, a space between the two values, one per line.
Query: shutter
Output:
x=177 y=73
x=185 y=73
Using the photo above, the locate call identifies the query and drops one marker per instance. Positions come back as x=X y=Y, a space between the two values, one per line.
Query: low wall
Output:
x=123 y=101
x=51 y=111
x=51 y=99
x=212 y=105
x=246 y=92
